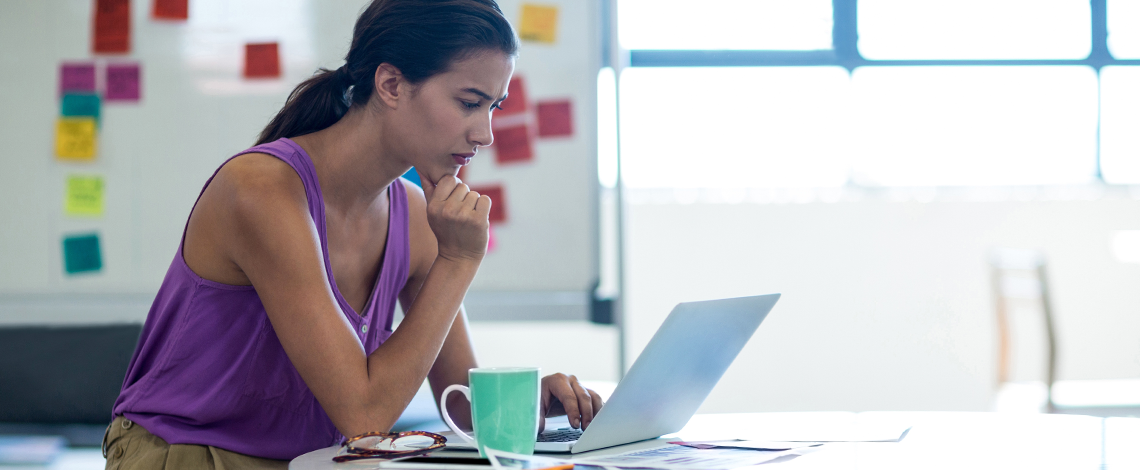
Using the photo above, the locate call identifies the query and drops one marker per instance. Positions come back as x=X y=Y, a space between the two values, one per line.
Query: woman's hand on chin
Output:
x=458 y=217
x=562 y=395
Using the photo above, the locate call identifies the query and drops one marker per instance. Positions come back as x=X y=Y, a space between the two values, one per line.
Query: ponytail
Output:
x=421 y=38
x=315 y=104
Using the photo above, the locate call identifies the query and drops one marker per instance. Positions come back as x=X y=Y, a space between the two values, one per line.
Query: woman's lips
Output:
x=461 y=159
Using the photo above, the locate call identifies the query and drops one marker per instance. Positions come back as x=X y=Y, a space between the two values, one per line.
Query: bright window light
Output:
x=1124 y=28
x=930 y=126
x=974 y=29
x=725 y=24
x=727 y=127
x=1119 y=120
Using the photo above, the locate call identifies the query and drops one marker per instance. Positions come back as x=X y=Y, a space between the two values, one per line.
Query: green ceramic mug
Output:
x=504 y=408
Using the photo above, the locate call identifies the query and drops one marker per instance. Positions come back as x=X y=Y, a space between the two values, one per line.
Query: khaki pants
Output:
x=127 y=446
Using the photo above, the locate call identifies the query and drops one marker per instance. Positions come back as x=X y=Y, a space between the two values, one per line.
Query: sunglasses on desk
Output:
x=389 y=445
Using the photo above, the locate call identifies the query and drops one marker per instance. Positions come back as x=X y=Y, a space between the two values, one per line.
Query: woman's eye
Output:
x=470 y=105
x=496 y=106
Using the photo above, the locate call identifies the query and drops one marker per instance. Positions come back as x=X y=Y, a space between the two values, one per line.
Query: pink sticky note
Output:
x=490 y=239
x=513 y=144
x=123 y=82
x=516 y=98
x=76 y=78
x=555 y=119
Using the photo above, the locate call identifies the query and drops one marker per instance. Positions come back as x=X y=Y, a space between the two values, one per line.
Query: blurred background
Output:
x=946 y=193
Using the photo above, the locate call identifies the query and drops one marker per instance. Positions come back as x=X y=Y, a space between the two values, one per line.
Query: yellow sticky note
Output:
x=84 y=195
x=539 y=23
x=75 y=138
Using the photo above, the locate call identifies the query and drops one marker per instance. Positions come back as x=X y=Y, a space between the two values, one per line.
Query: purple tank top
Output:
x=208 y=368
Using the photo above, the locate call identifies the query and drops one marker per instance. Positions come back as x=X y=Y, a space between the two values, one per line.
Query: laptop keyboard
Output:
x=560 y=435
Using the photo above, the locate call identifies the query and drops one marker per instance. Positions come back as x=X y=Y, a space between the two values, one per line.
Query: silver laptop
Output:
x=670 y=379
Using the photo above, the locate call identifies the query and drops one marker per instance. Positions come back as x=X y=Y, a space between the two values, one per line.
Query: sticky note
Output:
x=81 y=253
x=513 y=144
x=112 y=27
x=539 y=23
x=76 y=78
x=554 y=118
x=262 y=60
x=84 y=195
x=75 y=138
x=490 y=239
x=171 y=9
x=74 y=104
x=498 y=201
x=123 y=82
x=516 y=98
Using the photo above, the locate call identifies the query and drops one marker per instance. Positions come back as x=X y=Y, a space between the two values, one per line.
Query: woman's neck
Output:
x=353 y=163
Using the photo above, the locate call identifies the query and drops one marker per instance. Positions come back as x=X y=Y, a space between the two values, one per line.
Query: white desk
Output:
x=937 y=440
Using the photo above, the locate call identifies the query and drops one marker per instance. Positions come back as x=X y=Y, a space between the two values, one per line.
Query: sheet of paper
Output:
x=75 y=138
x=513 y=145
x=262 y=60
x=539 y=23
x=171 y=9
x=676 y=457
x=84 y=196
x=555 y=118
x=498 y=201
x=112 y=27
x=516 y=101
x=742 y=444
x=123 y=82
x=81 y=254
x=76 y=105
x=76 y=78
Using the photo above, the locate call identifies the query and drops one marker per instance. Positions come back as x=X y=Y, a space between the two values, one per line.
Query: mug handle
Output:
x=446 y=418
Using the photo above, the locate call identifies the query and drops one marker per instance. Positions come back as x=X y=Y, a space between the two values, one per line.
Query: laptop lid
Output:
x=676 y=371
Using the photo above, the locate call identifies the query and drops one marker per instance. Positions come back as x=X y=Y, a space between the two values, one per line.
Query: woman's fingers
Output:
x=585 y=406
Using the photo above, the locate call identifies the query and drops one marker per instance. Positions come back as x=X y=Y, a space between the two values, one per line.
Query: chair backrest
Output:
x=1020 y=284
x=63 y=374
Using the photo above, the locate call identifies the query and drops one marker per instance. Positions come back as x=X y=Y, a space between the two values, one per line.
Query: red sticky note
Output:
x=76 y=78
x=262 y=60
x=112 y=27
x=498 y=202
x=555 y=119
x=123 y=82
x=516 y=98
x=513 y=144
x=171 y=9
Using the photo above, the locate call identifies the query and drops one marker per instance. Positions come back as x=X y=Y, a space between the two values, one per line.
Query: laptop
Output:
x=669 y=380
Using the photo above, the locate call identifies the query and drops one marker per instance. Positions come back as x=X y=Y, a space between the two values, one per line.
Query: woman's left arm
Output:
x=561 y=394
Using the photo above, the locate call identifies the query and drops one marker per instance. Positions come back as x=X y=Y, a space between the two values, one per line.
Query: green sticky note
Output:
x=80 y=104
x=81 y=253
x=84 y=196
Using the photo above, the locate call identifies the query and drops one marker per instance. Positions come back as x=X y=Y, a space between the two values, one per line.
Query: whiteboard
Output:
x=196 y=111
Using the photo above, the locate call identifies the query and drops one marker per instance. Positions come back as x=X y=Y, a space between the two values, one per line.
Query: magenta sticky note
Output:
x=76 y=77
x=123 y=82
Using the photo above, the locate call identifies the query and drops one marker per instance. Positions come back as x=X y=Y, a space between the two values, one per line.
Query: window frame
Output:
x=845 y=53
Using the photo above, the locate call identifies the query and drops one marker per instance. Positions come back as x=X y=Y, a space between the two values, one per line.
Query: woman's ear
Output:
x=389 y=85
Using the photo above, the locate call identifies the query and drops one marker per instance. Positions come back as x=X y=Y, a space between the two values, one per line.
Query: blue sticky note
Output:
x=81 y=253
x=413 y=176
x=80 y=104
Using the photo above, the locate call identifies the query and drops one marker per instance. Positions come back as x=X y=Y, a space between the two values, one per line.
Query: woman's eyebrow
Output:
x=482 y=94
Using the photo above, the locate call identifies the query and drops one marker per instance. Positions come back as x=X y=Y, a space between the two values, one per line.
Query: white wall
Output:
x=887 y=302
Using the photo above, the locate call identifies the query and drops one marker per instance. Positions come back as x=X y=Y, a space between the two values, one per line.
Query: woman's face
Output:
x=448 y=116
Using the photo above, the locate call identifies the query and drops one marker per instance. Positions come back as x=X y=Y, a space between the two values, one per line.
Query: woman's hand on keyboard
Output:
x=562 y=395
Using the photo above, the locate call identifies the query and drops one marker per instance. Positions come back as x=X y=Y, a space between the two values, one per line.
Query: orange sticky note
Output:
x=75 y=138
x=539 y=23
x=516 y=98
x=513 y=144
x=171 y=9
x=555 y=119
x=112 y=27
x=498 y=202
x=262 y=60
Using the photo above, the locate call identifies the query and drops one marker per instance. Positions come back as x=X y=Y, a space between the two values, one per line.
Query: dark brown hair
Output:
x=419 y=37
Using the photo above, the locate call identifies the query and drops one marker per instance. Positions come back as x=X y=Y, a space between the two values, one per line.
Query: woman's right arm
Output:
x=273 y=240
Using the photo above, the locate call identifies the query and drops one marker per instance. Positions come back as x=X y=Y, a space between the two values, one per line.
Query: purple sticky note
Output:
x=76 y=77
x=122 y=82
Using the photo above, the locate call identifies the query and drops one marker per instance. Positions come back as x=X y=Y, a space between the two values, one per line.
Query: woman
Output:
x=271 y=334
